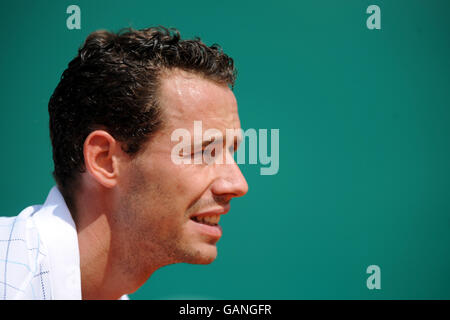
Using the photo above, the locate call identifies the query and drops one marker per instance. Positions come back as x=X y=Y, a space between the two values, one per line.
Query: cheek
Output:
x=168 y=190
x=188 y=183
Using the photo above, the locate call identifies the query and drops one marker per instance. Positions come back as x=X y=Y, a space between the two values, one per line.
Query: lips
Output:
x=208 y=220
x=210 y=215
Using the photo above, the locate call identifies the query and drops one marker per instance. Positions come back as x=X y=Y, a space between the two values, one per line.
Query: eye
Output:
x=234 y=147
x=197 y=153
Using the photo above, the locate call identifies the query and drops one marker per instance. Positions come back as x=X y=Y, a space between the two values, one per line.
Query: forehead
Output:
x=187 y=97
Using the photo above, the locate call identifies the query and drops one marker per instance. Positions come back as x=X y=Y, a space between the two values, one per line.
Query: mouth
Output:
x=207 y=222
x=212 y=220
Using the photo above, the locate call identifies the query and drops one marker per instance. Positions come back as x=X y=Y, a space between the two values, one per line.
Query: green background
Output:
x=364 y=139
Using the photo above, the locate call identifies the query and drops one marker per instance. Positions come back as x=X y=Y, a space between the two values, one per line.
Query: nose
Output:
x=230 y=182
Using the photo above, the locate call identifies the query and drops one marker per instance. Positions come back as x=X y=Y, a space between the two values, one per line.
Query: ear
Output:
x=100 y=157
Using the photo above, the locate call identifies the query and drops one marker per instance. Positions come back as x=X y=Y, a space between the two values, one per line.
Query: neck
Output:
x=96 y=270
x=104 y=275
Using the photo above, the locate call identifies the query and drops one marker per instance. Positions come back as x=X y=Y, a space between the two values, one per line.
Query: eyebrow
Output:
x=219 y=139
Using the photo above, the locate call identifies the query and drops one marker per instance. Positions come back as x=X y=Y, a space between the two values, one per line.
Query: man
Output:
x=122 y=207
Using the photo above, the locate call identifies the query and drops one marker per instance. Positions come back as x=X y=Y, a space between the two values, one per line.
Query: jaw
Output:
x=198 y=246
x=205 y=254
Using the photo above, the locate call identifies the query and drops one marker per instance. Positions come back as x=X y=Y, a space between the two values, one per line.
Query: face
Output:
x=169 y=211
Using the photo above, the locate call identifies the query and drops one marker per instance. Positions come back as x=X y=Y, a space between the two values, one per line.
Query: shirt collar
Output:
x=59 y=235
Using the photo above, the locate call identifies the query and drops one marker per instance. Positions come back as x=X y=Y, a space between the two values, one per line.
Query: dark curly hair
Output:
x=112 y=84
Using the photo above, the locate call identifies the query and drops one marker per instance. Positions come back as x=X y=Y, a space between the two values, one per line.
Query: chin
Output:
x=204 y=255
x=206 y=260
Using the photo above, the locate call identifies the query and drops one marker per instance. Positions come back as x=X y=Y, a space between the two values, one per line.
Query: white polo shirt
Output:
x=39 y=255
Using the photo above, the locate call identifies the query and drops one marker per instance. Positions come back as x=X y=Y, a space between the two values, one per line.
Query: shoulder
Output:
x=17 y=229
x=23 y=258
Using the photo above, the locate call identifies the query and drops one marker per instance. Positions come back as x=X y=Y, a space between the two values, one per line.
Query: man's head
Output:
x=111 y=120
